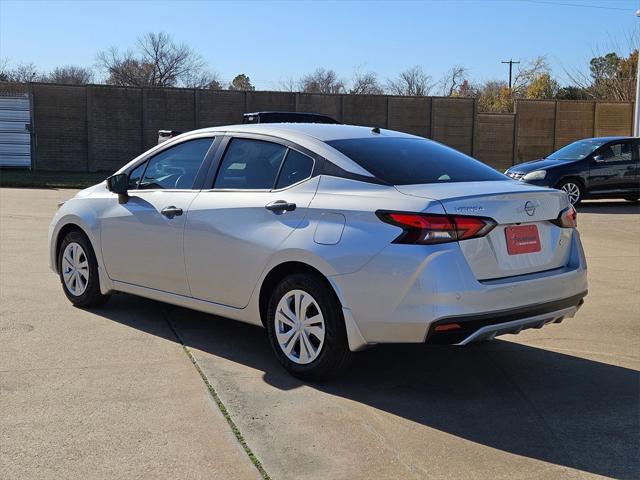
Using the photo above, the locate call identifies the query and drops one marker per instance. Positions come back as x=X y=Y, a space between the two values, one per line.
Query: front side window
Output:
x=616 y=152
x=408 y=161
x=136 y=175
x=250 y=164
x=175 y=167
x=296 y=167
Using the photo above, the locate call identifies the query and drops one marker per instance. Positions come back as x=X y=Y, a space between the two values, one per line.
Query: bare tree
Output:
x=365 y=83
x=527 y=73
x=411 y=82
x=322 y=81
x=157 y=61
x=203 y=80
x=71 y=75
x=288 y=85
x=21 y=73
x=4 y=69
x=452 y=80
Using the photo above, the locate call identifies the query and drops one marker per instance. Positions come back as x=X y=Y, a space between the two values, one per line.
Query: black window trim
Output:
x=204 y=165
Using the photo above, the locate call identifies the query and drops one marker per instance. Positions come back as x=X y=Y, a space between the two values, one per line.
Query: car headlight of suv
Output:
x=535 y=175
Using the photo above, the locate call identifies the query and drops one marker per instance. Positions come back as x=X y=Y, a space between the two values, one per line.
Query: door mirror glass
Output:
x=598 y=159
x=118 y=183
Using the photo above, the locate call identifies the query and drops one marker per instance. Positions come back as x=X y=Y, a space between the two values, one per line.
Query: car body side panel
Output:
x=230 y=236
x=84 y=211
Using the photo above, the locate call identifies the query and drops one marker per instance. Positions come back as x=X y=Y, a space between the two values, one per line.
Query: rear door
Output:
x=142 y=239
x=258 y=198
x=614 y=169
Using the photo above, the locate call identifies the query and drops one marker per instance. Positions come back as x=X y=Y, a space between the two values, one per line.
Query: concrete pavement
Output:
x=110 y=393
x=85 y=396
x=561 y=402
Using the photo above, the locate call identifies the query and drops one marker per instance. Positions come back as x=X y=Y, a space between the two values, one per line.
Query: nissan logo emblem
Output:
x=530 y=208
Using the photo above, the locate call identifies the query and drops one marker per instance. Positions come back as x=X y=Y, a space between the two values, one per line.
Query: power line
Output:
x=547 y=2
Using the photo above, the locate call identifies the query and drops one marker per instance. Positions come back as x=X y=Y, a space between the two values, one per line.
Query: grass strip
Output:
x=223 y=409
x=22 y=178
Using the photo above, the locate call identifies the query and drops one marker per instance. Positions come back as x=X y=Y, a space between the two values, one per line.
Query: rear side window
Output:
x=250 y=164
x=407 y=161
x=175 y=167
x=297 y=167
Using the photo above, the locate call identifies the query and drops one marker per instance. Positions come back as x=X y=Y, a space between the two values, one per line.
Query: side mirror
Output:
x=599 y=158
x=119 y=184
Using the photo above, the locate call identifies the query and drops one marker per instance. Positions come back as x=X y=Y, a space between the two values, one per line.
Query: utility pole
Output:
x=510 y=62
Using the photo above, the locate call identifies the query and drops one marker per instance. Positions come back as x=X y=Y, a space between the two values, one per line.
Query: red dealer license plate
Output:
x=522 y=239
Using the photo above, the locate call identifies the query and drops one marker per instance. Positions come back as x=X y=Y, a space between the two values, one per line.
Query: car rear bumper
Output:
x=471 y=328
x=406 y=290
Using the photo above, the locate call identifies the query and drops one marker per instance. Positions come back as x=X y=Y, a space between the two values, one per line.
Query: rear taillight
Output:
x=568 y=218
x=427 y=229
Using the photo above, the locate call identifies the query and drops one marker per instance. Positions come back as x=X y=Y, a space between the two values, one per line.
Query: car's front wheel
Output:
x=78 y=270
x=306 y=328
x=573 y=189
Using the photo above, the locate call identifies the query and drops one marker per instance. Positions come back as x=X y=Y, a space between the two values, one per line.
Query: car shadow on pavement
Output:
x=610 y=207
x=527 y=401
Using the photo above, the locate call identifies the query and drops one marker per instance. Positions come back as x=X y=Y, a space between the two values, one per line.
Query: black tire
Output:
x=334 y=355
x=91 y=297
x=565 y=184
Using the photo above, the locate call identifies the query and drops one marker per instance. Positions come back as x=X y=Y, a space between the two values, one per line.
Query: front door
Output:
x=142 y=239
x=613 y=169
x=259 y=197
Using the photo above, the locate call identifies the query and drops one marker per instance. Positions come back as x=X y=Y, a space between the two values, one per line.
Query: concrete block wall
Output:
x=60 y=127
x=494 y=139
x=100 y=127
x=114 y=122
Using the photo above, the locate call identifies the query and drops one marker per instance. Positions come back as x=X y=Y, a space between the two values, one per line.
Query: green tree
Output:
x=241 y=82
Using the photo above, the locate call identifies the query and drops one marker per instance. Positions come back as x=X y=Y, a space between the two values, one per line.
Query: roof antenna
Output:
x=375 y=129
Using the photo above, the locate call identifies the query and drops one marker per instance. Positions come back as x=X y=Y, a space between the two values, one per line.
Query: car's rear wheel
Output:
x=306 y=328
x=78 y=270
x=573 y=189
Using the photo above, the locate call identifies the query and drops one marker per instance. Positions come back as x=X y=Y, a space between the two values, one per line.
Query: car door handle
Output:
x=280 y=206
x=171 y=212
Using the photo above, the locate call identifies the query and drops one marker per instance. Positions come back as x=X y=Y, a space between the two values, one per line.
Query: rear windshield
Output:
x=407 y=161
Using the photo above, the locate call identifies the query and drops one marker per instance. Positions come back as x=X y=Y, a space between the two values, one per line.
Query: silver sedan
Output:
x=333 y=237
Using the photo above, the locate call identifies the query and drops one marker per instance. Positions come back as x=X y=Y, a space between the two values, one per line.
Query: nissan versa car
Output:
x=605 y=167
x=333 y=237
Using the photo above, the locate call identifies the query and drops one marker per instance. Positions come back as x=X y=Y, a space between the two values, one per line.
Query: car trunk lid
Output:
x=509 y=204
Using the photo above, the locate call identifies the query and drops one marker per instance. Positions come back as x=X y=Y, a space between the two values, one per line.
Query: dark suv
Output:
x=604 y=167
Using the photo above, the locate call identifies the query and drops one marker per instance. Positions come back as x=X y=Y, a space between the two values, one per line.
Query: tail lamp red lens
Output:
x=427 y=229
x=568 y=218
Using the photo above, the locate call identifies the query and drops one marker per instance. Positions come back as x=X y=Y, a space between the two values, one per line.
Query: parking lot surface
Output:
x=110 y=393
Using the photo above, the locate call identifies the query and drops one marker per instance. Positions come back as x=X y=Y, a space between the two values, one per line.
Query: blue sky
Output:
x=272 y=41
